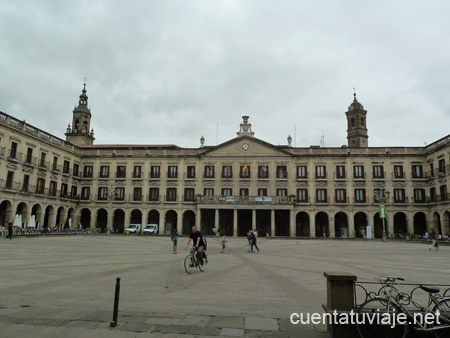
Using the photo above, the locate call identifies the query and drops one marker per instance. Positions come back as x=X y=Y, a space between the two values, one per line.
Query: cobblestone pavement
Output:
x=63 y=286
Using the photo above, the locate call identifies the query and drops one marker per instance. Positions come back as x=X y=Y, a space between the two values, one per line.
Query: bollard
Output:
x=116 y=304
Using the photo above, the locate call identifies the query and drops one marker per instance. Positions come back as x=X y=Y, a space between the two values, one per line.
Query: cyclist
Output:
x=197 y=241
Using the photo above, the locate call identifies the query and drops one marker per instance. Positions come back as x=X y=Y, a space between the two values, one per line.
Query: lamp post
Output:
x=382 y=196
x=111 y=197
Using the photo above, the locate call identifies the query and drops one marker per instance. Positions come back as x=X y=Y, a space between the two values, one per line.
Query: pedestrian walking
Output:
x=10 y=231
x=174 y=239
x=253 y=238
x=223 y=243
x=435 y=240
x=249 y=239
x=324 y=230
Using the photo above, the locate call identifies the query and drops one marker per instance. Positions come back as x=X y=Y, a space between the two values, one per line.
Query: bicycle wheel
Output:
x=369 y=320
x=202 y=266
x=444 y=318
x=189 y=264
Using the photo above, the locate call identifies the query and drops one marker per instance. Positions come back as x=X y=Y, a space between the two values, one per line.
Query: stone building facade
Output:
x=237 y=185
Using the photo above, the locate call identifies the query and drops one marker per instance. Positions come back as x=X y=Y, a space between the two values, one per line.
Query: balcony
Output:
x=263 y=175
x=30 y=161
x=420 y=177
x=361 y=201
x=322 y=177
x=136 y=198
x=154 y=199
x=86 y=198
x=244 y=200
x=137 y=177
x=171 y=199
x=14 y=156
x=86 y=175
x=379 y=178
x=172 y=176
x=208 y=176
x=404 y=201
x=339 y=178
x=154 y=176
x=398 y=177
x=302 y=178
x=361 y=177
x=189 y=176
x=342 y=201
x=56 y=168
x=120 y=176
x=43 y=164
x=322 y=201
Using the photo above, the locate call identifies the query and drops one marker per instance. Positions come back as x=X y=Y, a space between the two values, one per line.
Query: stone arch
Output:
x=446 y=223
x=153 y=217
x=341 y=224
x=360 y=219
x=119 y=220
x=36 y=211
x=400 y=225
x=85 y=218
x=136 y=217
x=302 y=224
x=282 y=222
x=420 y=223
x=188 y=222
x=69 y=218
x=436 y=223
x=48 y=216
x=378 y=225
x=171 y=222
x=322 y=222
x=102 y=219
x=22 y=209
x=60 y=213
x=6 y=214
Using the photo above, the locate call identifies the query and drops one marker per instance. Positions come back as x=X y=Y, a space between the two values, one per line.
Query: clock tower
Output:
x=80 y=132
x=356 y=125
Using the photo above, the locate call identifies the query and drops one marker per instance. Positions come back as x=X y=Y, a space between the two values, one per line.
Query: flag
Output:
x=264 y=167
x=211 y=168
x=229 y=167
x=245 y=166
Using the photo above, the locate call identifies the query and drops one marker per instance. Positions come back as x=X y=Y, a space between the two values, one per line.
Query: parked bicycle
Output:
x=390 y=302
x=192 y=261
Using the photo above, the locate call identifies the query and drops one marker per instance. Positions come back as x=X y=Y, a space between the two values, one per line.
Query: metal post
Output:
x=384 y=229
x=113 y=323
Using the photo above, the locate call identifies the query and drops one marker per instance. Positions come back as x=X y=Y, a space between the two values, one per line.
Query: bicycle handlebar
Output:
x=390 y=279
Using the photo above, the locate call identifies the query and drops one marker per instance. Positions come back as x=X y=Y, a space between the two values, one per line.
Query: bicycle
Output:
x=192 y=261
x=390 y=303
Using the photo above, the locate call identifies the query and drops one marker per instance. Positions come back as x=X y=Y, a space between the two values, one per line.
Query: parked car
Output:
x=151 y=229
x=133 y=228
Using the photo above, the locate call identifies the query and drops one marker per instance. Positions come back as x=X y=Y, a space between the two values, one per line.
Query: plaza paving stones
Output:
x=64 y=286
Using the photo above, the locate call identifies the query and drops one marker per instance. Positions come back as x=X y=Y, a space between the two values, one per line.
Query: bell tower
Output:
x=80 y=132
x=356 y=125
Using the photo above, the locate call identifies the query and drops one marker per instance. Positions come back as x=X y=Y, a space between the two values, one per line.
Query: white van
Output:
x=133 y=228
x=151 y=229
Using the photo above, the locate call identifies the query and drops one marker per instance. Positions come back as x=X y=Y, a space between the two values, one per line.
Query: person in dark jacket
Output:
x=10 y=231
x=253 y=239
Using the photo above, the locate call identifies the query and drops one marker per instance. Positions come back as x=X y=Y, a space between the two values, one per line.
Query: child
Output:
x=223 y=243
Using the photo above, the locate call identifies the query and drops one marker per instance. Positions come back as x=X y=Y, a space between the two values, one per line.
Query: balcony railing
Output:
x=400 y=201
x=56 y=167
x=43 y=164
x=172 y=176
x=154 y=199
x=217 y=199
x=380 y=178
x=14 y=155
x=30 y=160
x=120 y=176
x=208 y=176
x=86 y=175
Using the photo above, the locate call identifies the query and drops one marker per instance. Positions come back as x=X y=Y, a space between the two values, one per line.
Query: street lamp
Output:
x=111 y=197
x=382 y=196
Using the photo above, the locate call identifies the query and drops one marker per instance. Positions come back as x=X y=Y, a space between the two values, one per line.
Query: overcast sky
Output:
x=167 y=72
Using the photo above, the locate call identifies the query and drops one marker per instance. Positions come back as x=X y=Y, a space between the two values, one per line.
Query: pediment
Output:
x=246 y=147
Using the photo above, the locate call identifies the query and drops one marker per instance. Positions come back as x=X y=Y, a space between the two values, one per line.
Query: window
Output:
x=227 y=171
x=102 y=193
x=66 y=167
x=104 y=171
x=9 y=179
x=340 y=171
x=341 y=196
x=64 y=189
x=209 y=171
x=432 y=169
x=433 y=195
x=29 y=155
x=321 y=195
x=121 y=171
x=137 y=194
x=398 y=171
x=26 y=180
x=243 y=192
x=155 y=171
x=360 y=195
x=120 y=194
x=74 y=191
x=419 y=195
x=443 y=190
x=76 y=169
x=281 y=172
x=153 y=194
x=88 y=169
x=302 y=195
x=262 y=192
x=358 y=171
x=52 y=189
x=227 y=192
x=282 y=192
x=40 y=186
x=263 y=171
x=301 y=171
x=137 y=171
x=189 y=193
x=417 y=171
x=245 y=171
x=190 y=172
x=171 y=194
x=320 y=171
x=55 y=163
x=208 y=192
x=13 y=151
x=43 y=156
x=172 y=171
x=399 y=195
x=442 y=166
x=85 y=193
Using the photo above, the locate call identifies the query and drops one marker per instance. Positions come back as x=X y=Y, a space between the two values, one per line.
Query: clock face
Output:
x=245 y=146
x=77 y=115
